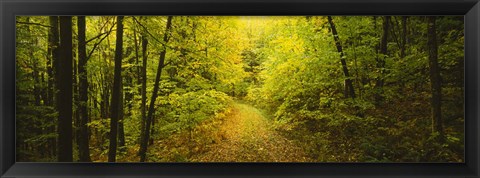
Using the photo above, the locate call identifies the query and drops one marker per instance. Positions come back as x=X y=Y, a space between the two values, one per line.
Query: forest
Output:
x=240 y=89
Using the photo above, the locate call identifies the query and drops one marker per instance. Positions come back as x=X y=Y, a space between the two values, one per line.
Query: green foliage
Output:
x=185 y=110
x=303 y=88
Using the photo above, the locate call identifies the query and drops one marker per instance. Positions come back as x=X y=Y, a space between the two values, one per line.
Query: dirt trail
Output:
x=250 y=137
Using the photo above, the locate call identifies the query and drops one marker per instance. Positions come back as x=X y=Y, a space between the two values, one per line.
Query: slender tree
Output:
x=349 y=90
x=381 y=60
x=64 y=84
x=435 y=79
x=121 y=117
x=117 y=84
x=52 y=57
x=144 y=85
x=52 y=60
x=151 y=110
x=83 y=146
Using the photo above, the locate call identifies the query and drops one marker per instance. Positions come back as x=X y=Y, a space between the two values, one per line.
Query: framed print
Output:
x=239 y=88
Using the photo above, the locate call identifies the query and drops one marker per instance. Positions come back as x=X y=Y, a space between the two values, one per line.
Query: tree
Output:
x=144 y=85
x=151 y=110
x=435 y=85
x=121 y=116
x=64 y=84
x=349 y=90
x=116 y=92
x=83 y=145
x=52 y=60
x=381 y=60
x=52 y=57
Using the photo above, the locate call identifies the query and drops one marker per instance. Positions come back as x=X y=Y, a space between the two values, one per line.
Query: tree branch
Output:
x=96 y=44
x=31 y=23
x=146 y=30
x=98 y=36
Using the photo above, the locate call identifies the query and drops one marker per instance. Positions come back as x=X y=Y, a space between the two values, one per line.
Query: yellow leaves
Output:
x=127 y=65
x=247 y=136
x=286 y=47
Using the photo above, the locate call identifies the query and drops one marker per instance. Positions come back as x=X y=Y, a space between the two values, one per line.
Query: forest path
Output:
x=248 y=136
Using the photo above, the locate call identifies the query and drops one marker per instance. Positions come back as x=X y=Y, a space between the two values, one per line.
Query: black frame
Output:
x=10 y=8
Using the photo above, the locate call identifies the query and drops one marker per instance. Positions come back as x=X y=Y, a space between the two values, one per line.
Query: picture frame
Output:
x=11 y=8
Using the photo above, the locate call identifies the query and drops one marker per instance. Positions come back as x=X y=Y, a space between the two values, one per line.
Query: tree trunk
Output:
x=349 y=90
x=117 y=84
x=143 y=145
x=435 y=79
x=83 y=145
x=121 y=130
x=52 y=59
x=138 y=69
x=64 y=84
x=76 y=114
x=381 y=61
x=152 y=131
x=144 y=86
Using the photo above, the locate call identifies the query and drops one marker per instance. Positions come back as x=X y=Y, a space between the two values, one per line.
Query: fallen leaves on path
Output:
x=247 y=136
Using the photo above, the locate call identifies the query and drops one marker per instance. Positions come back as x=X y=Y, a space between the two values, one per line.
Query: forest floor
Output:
x=248 y=136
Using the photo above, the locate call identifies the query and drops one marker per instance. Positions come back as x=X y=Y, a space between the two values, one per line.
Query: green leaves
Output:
x=302 y=85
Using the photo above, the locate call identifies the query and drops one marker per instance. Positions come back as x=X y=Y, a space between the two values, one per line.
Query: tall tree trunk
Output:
x=144 y=86
x=52 y=60
x=152 y=131
x=381 y=61
x=83 y=145
x=121 y=129
x=435 y=79
x=64 y=98
x=51 y=57
x=76 y=114
x=143 y=145
x=136 y=72
x=349 y=90
x=117 y=84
